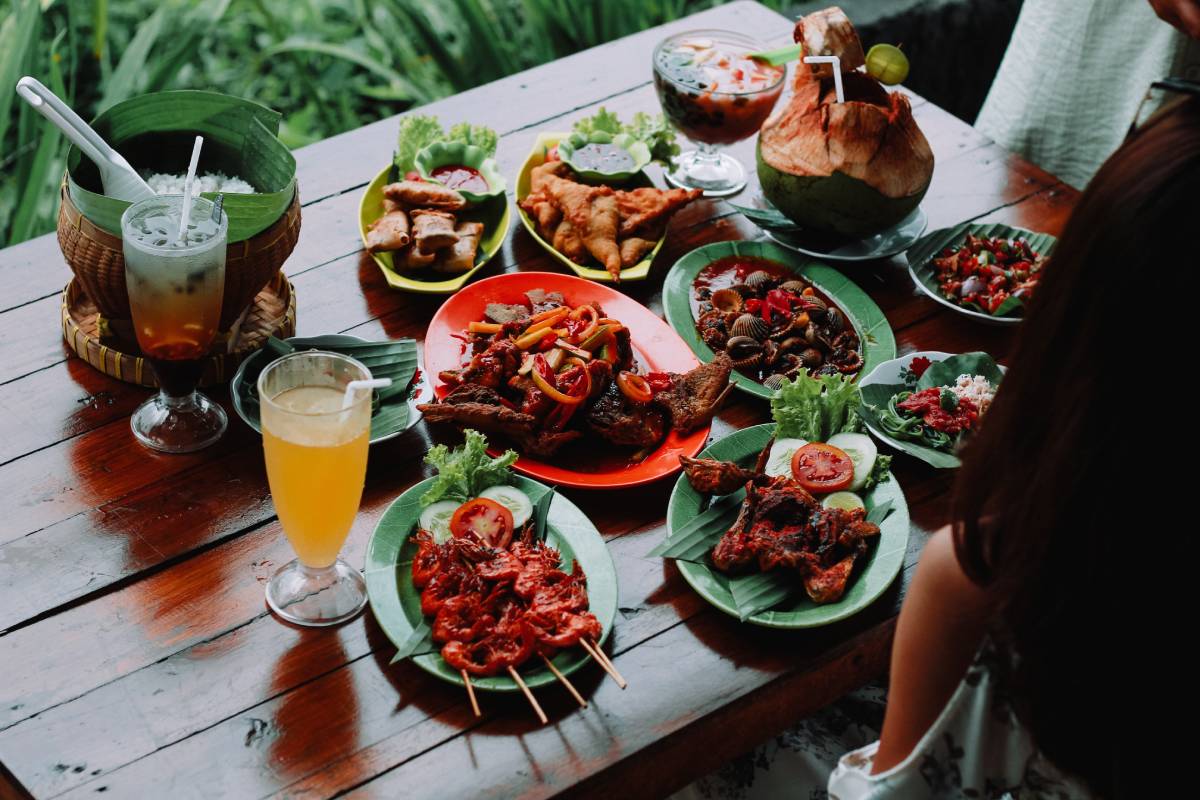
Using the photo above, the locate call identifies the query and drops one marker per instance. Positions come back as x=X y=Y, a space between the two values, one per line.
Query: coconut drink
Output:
x=851 y=168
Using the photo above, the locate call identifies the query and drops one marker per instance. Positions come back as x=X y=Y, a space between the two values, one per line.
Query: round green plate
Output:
x=867 y=583
x=493 y=213
x=397 y=603
x=537 y=157
x=920 y=264
x=879 y=344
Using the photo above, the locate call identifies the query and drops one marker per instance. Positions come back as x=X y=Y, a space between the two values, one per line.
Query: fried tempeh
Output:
x=389 y=232
x=421 y=194
x=460 y=257
x=433 y=230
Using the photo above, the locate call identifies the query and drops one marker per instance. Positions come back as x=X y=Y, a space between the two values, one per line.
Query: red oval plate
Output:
x=658 y=348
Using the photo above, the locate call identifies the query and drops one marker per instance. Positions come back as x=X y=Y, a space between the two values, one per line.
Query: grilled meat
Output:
x=782 y=526
x=693 y=398
x=621 y=421
x=709 y=476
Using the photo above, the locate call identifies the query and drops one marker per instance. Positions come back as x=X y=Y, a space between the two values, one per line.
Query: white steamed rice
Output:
x=975 y=388
x=163 y=183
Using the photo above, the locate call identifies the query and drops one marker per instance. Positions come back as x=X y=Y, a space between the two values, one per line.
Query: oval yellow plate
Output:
x=494 y=214
x=537 y=157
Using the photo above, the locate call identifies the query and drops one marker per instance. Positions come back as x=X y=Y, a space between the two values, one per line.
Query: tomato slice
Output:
x=484 y=519
x=822 y=468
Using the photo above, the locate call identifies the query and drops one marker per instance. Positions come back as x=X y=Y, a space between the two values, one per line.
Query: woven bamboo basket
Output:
x=110 y=346
x=95 y=257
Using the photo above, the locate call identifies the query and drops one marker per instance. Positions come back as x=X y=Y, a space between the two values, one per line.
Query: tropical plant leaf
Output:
x=770 y=219
x=418 y=643
x=945 y=373
x=693 y=541
x=761 y=591
x=880 y=512
x=541 y=514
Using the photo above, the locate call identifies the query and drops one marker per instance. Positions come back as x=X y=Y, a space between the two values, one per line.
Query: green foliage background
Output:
x=327 y=65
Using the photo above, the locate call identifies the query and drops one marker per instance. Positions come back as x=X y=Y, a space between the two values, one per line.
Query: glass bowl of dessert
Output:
x=714 y=94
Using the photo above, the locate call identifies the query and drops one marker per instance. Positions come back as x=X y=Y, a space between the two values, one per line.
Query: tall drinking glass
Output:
x=714 y=95
x=316 y=454
x=175 y=292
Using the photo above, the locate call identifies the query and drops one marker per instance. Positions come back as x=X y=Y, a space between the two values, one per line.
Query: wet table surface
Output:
x=137 y=656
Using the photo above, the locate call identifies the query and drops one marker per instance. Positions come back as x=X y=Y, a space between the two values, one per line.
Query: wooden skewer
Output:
x=471 y=693
x=603 y=661
x=563 y=678
x=516 y=676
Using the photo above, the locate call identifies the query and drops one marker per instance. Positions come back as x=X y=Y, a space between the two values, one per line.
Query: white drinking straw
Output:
x=188 y=185
x=837 y=72
x=354 y=386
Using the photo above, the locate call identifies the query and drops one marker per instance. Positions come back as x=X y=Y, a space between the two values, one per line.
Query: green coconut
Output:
x=853 y=168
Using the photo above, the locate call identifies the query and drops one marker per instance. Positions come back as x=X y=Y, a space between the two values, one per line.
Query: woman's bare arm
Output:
x=941 y=625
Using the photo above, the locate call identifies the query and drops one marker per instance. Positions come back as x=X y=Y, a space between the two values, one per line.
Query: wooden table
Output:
x=137 y=656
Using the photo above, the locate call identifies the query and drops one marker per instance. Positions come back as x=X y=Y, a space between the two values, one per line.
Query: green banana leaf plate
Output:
x=493 y=213
x=886 y=380
x=396 y=603
x=920 y=266
x=537 y=157
x=878 y=342
x=395 y=408
x=867 y=583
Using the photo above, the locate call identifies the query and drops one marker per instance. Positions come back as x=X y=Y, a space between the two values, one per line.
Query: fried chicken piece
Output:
x=710 y=476
x=619 y=420
x=538 y=204
x=423 y=194
x=389 y=232
x=829 y=584
x=592 y=212
x=633 y=248
x=694 y=398
x=735 y=551
x=647 y=206
x=565 y=240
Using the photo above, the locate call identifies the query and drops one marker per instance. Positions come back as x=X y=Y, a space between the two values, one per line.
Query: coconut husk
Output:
x=872 y=137
x=829 y=32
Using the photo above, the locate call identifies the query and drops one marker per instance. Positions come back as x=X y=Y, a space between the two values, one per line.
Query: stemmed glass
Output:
x=175 y=290
x=714 y=95
x=315 y=445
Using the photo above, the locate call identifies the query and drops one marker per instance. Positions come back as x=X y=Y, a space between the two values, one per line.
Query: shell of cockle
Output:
x=812 y=303
x=774 y=381
x=742 y=347
x=793 y=286
x=749 y=363
x=797 y=325
x=760 y=280
x=810 y=357
x=744 y=290
x=750 y=325
x=727 y=300
x=835 y=320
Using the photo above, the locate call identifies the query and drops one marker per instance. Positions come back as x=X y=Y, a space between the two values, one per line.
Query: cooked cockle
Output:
x=727 y=300
x=750 y=325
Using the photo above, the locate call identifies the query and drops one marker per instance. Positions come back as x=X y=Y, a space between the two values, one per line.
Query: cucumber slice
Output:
x=514 y=500
x=779 y=460
x=862 y=451
x=436 y=519
x=847 y=500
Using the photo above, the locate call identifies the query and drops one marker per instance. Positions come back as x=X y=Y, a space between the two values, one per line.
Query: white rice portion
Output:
x=163 y=183
x=975 y=388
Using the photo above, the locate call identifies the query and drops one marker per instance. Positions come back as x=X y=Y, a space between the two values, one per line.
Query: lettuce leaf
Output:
x=416 y=133
x=480 y=136
x=815 y=408
x=465 y=471
x=655 y=131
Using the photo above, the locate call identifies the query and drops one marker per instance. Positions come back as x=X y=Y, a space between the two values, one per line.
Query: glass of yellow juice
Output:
x=315 y=443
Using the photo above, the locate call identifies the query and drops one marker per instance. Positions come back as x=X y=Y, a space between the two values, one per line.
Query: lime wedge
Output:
x=887 y=64
x=844 y=500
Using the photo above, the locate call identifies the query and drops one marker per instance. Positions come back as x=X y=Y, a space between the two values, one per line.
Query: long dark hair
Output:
x=1048 y=512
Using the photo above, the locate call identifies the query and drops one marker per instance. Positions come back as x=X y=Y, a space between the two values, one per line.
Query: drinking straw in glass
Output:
x=175 y=287
x=315 y=443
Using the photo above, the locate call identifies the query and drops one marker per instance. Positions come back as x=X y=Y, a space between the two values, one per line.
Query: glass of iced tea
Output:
x=715 y=95
x=315 y=445
x=175 y=290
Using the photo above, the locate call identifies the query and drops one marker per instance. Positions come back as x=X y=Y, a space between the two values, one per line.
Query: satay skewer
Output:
x=471 y=693
x=563 y=679
x=603 y=661
x=516 y=676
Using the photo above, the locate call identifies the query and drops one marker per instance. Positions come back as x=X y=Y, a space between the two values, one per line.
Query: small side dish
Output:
x=937 y=404
x=992 y=274
x=771 y=322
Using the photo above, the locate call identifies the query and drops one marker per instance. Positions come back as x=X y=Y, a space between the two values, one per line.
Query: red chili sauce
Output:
x=456 y=176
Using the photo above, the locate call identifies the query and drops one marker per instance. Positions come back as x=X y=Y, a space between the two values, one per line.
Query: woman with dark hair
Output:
x=1013 y=673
